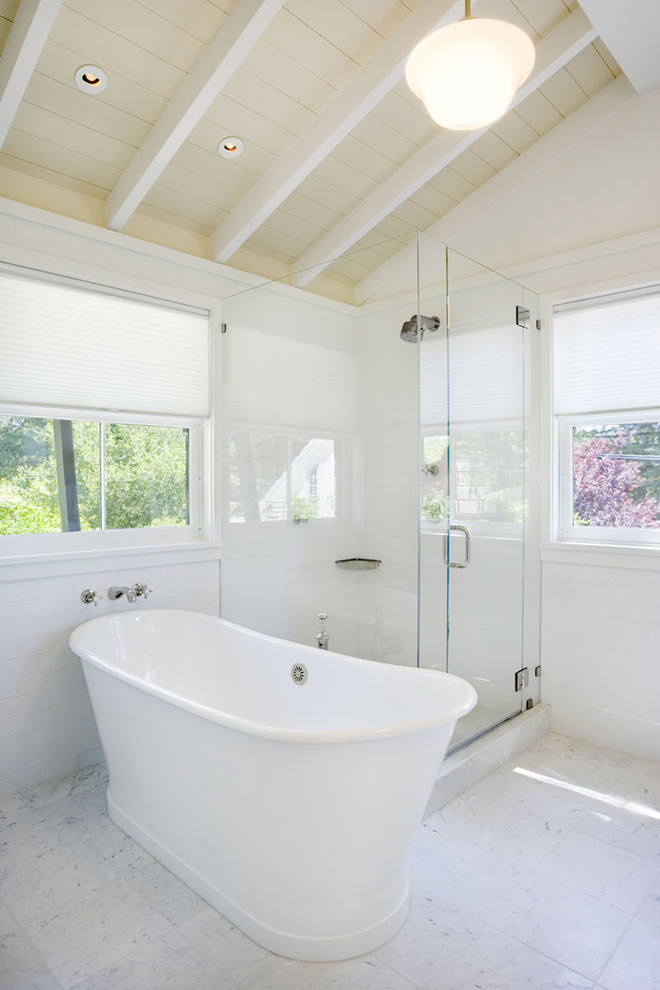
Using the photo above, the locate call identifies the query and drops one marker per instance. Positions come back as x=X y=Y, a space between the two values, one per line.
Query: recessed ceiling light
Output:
x=230 y=147
x=91 y=79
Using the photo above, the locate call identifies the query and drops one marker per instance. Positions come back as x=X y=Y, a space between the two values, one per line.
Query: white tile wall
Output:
x=601 y=654
x=46 y=723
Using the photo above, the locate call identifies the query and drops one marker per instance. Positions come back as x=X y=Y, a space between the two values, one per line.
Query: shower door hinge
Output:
x=521 y=678
x=537 y=671
x=522 y=317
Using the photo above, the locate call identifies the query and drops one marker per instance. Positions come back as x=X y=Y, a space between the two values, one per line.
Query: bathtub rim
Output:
x=261 y=729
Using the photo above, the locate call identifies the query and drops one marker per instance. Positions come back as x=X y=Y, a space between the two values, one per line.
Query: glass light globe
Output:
x=467 y=73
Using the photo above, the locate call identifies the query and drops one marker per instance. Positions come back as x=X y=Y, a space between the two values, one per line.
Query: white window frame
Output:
x=37 y=544
x=608 y=546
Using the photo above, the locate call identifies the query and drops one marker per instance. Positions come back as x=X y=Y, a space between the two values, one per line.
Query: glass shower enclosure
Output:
x=399 y=432
x=478 y=570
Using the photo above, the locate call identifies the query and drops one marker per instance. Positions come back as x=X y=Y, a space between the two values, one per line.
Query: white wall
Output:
x=601 y=653
x=46 y=723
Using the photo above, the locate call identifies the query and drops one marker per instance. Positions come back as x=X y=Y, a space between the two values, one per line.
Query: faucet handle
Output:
x=140 y=590
x=90 y=597
x=323 y=616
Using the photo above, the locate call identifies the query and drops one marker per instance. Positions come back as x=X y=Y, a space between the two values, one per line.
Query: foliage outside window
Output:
x=615 y=479
x=81 y=475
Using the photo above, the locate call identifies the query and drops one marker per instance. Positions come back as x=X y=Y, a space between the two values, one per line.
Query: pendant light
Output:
x=467 y=73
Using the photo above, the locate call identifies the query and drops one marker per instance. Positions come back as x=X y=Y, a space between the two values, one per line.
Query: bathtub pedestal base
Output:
x=304 y=948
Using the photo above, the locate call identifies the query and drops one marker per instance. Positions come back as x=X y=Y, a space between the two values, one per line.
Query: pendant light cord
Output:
x=467 y=10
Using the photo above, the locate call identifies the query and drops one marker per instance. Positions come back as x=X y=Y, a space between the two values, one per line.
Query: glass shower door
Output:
x=473 y=505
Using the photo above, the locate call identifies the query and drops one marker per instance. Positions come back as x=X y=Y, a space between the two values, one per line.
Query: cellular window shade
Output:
x=607 y=353
x=65 y=345
x=271 y=378
x=485 y=376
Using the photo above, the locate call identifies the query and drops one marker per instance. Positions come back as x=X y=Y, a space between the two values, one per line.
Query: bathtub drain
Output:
x=299 y=673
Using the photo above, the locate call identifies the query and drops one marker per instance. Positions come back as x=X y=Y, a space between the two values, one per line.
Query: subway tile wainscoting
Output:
x=46 y=723
x=545 y=876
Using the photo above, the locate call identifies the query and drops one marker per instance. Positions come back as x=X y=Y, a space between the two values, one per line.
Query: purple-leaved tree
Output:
x=603 y=483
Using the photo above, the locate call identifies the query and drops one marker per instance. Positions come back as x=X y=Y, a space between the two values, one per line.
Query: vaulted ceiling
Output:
x=341 y=163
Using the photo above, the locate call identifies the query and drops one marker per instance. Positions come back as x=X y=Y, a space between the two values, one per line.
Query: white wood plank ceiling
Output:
x=341 y=163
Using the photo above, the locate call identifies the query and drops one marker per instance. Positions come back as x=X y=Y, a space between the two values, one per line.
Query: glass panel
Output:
x=616 y=475
x=62 y=475
x=146 y=476
x=474 y=510
x=430 y=431
x=28 y=477
x=487 y=428
x=321 y=421
x=313 y=479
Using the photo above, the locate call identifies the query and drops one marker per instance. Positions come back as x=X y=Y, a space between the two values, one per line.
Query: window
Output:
x=274 y=477
x=607 y=408
x=76 y=473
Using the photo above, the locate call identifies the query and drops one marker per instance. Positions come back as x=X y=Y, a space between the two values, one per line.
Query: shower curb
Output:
x=475 y=761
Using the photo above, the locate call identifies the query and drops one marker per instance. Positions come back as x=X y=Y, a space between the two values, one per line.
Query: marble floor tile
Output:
x=363 y=973
x=577 y=930
x=228 y=952
x=614 y=876
x=625 y=829
x=528 y=881
x=7 y=922
x=21 y=966
x=164 y=963
x=78 y=941
x=454 y=952
x=635 y=965
x=650 y=907
x=172 y=898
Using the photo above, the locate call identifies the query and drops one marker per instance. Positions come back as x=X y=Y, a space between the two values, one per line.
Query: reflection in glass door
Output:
x=473 y=493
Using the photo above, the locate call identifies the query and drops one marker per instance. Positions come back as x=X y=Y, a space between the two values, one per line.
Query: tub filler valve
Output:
x=138 y=590
x=322 y=636
x=90 y=597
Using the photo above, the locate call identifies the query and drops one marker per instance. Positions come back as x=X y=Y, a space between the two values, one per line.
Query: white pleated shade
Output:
x=62 y=344
x=607 y=353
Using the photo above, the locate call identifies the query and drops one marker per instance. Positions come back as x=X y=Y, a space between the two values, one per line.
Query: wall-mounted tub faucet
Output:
x=322 y=636
x=90 y=597
x=138 y=590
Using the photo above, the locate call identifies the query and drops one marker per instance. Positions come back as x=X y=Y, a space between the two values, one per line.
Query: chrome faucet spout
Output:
x=116 y=592
x=322 y=636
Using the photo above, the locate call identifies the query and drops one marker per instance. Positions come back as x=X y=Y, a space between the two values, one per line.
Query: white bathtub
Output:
x=288 y=807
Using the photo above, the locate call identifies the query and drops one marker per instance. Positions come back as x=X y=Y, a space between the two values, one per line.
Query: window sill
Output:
x=103 y=559
x=602 y=555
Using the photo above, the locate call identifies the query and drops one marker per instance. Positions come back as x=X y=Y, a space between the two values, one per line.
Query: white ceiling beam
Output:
x=380 y=74
x=552 y=52
x=220 y=59
x=27 y=37
x=556 y=142
x=626 y=29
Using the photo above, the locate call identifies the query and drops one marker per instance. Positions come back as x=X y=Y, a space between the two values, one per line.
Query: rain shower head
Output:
x=409 y=328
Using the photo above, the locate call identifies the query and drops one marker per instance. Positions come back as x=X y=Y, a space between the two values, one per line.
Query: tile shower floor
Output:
x=546 y=875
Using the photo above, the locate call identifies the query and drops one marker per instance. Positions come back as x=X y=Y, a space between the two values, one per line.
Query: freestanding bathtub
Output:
x=281 y=782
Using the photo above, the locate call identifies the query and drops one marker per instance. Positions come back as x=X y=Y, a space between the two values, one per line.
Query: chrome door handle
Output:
x=466 y=559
